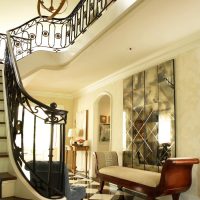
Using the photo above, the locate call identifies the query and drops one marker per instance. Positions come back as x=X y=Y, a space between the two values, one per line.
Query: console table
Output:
x=73 y=149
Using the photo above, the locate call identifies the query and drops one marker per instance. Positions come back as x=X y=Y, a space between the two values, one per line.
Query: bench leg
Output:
x=101 y=186
x=150 y=198
x=119 y=187
x=176 y=196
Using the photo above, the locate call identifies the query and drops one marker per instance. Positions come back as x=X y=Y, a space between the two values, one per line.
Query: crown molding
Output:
x=169 y=52
x=50 y=94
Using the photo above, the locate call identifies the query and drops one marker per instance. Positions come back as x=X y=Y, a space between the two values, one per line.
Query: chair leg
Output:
x=101 y=186
x=176 y=196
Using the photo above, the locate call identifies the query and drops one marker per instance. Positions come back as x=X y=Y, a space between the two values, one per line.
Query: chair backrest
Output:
x=105 y=159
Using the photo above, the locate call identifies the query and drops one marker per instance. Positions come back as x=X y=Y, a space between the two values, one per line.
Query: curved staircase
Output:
x=20 y=42
x=7 y=180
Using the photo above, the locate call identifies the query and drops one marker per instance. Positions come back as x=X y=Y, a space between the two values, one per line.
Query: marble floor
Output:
x=110 y=191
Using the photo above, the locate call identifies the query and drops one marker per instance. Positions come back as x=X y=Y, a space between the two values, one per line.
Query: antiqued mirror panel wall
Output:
x=149 y=117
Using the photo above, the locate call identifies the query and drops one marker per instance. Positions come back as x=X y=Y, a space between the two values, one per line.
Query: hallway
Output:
x=110 y=192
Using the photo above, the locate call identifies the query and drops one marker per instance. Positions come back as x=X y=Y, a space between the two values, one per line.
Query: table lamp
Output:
x=71 y=134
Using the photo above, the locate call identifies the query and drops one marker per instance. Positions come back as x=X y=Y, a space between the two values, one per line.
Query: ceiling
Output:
x=21 y=11
x=145 y=29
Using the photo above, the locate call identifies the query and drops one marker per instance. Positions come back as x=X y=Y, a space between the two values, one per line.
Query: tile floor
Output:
x=110 y=192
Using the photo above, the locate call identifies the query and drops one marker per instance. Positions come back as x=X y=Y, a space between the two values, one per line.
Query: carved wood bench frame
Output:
x=176 y=177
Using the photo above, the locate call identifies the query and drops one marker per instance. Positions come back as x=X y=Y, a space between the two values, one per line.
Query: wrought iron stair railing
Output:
x=40 y=34
x=24 y=138
x=57 y=34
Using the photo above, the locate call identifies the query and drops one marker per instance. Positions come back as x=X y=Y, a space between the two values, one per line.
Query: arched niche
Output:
x=102 y=135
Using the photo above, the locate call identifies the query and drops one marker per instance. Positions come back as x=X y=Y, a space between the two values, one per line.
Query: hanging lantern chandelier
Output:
x=54 y=8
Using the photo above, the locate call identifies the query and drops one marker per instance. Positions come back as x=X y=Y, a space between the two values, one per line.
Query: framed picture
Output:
x=82 y=124
x=103 y=119
x=108 y=120
x=104 y=135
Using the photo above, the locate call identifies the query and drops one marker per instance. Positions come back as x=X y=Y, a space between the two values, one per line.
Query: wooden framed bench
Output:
x=175 y=177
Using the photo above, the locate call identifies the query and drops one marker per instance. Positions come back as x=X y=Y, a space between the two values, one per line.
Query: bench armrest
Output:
x=176 y=175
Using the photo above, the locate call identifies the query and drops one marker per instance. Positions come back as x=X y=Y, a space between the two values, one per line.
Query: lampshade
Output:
x=71 y=132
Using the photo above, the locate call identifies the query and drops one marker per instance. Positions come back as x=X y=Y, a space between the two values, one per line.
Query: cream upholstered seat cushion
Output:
x=143 y=177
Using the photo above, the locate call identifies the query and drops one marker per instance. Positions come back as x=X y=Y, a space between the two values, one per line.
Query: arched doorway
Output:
x=102 y=123
x=102 y=115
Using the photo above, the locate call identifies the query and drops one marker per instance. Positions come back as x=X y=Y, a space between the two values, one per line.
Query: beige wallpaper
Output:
x=187 y=68
x=188 y=112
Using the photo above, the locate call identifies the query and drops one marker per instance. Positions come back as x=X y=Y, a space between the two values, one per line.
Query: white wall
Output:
x=187 y=75
x=104 y=105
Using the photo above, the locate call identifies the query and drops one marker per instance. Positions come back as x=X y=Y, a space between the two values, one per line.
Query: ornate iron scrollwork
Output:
x=39 y=34
x=20 y=103
x=56 y=34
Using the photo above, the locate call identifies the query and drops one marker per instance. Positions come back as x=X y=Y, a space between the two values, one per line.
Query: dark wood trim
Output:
x=124 y=183
x=176 y=177
x=86 y=137
x=14 y=198
x=175 y=196
x=4 y=176
x=3 y=154
x=0 y=189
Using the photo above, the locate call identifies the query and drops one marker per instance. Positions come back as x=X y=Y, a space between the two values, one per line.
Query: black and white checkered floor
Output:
x=110 y=192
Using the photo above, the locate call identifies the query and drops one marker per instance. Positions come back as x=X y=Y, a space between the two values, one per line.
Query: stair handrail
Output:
x=26 y=44
x=20 y=84
x=16 y=97
x=59 y=33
